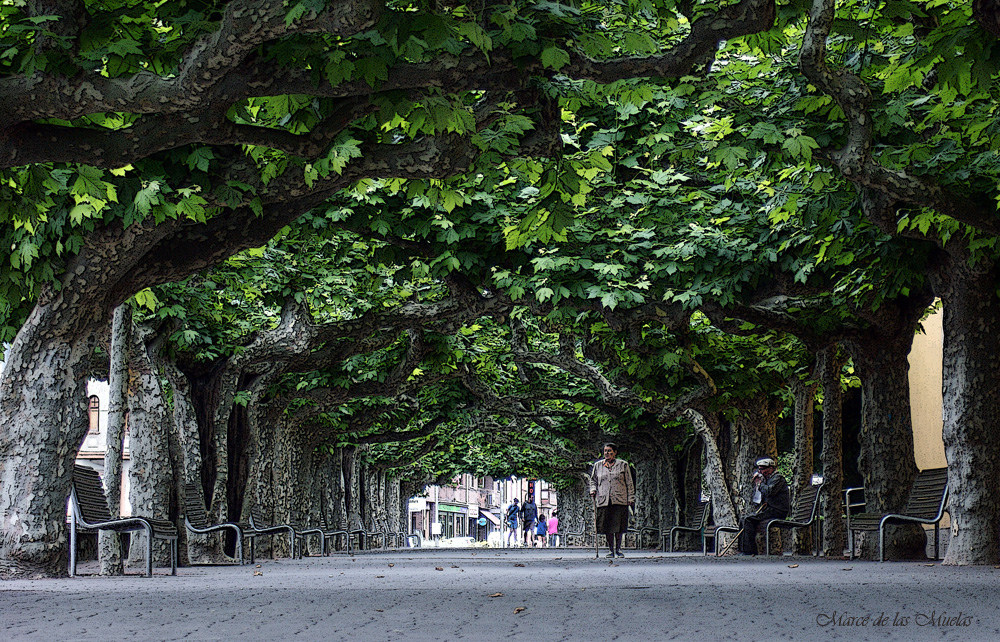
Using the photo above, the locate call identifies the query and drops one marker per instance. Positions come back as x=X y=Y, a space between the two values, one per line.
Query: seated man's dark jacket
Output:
x=774 y=493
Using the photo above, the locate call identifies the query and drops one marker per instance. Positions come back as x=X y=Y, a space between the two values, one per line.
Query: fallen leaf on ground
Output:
x=391 y=564
x=521 y=565
x=847 y=569
x=438 y=568
x=519 y=609
x=453 y=566
x=256 y=573
x=793 y=566
x=258 y=566
x=380 y=610
x=930 y=564
x=377 y=576
x=557 y=558
x=497 y=595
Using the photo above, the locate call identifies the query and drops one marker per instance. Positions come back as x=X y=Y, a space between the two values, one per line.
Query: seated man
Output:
x=774 y=503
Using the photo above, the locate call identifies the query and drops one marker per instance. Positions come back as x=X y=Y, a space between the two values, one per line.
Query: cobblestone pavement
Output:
x=533 y=594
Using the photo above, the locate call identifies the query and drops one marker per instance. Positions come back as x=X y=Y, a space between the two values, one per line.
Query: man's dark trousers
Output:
x=748 y=540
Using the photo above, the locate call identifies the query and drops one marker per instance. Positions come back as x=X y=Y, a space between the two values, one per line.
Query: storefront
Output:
x=454 y=520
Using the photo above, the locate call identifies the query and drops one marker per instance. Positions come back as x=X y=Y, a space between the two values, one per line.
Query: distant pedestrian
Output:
x=529 y=514
x=552 y=527
x=613 y=491
x=540 y=531
x=511 y=519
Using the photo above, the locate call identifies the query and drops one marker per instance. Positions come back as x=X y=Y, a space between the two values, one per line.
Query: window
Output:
x=94 y=410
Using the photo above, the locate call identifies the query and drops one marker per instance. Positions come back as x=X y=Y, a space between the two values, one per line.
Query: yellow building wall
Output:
x=926 y=357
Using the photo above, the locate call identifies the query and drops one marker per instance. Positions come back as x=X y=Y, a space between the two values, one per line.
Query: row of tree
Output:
x=614 y=193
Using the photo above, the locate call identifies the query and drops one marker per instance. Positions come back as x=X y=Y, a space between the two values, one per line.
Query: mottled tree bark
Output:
x=150 y=469
x=576 y=514
x=886 y=461
x=804 y=447
x=971 y=374
x=44 y=416
x=756 y=426
x=828 y=366
x=647 y=509
x=193 y=548
x=715 y=478
x=110 y=543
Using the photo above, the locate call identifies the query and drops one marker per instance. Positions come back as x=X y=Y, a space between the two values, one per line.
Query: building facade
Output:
x=474 y=506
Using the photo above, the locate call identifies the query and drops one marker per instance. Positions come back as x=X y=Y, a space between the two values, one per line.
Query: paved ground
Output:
x=540 y=594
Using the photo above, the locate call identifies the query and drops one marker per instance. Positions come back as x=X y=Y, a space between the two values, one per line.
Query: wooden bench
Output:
x=803 y=515
x=196 y=521
x=699 y=524
x=89 y=510
x=927 y=503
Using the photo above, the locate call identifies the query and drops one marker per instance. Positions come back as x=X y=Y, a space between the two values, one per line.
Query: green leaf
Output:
x=148 y=197
x=555 y=58
x=200 y=158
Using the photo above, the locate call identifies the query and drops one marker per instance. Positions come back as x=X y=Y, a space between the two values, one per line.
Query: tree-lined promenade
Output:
x=360 y=246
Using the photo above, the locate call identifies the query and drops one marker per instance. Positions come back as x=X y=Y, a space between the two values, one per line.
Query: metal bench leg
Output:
x=239 y=545
x=149 y=551
x=72 y=546
x=173 y=556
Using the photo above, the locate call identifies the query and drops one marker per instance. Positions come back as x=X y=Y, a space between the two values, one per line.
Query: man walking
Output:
x=529 y=515
x=511 y=519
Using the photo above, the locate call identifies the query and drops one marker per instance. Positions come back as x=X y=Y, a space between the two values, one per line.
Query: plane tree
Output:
x=913 y=101
x=162 y=138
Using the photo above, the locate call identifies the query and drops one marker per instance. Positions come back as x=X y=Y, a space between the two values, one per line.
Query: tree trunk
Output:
x=647 y=510
x=828 y=367
x=337 y=517
x=669 y=489
x=722 y=503
x=756 y=427
x=44 y=411
x=804 y=446
x=971 y=373
x=886 y=460
x=576 y=514
x=194 y=548
x=110 y=543
x=150 y=472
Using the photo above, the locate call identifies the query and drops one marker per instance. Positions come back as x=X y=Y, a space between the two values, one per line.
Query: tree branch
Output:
x=854 y=159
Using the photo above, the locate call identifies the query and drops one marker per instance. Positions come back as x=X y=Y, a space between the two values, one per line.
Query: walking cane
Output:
x=740 y=532
x=730 y=544
x=597 y=538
